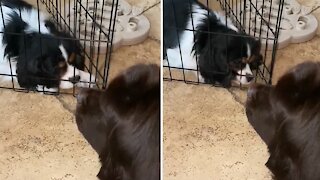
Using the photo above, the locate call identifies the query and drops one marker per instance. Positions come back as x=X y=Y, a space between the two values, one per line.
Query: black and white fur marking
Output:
x=224 y=54
x=39 y=59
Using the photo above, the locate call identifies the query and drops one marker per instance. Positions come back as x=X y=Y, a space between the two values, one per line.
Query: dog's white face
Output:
x=244 y=74
x=83 y=79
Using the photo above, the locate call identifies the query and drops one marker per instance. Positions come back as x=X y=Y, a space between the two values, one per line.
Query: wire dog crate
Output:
x=260 y=19
x=85 y=21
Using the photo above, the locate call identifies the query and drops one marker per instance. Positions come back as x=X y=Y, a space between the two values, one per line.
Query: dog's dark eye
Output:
x=75 y=79
x=237 y=64
x=256 y=63
x=240 y=62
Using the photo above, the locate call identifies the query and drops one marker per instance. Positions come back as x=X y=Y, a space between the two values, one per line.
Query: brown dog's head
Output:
x=287 y=118
x=123 y=124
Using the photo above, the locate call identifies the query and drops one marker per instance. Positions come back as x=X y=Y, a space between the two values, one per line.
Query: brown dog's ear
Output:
x=299 y=85
x=259 y=112
x=280 y=164
x=264 y=126
x=139 y=83
x=110 y=170
x=291 y=91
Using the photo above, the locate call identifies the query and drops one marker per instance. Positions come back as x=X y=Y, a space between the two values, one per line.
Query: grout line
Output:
x=154 y=39
x=64 y=105
x=148 y=8
x=236 y=98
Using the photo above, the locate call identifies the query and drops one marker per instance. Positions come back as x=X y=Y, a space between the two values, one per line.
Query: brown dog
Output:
x=287 y=118
x=123 y=124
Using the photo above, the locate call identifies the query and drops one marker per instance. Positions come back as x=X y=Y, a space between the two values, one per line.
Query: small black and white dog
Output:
x=39 y=59
x=223 y=53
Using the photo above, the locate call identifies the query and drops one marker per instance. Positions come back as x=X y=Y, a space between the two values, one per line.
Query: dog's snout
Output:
x=81 y=96
x=249 y=77
x=75 y=79
x=252 y=91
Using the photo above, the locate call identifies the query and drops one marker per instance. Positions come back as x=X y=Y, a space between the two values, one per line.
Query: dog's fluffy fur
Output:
x=39 y=53
x=123 y=124
x=223 y=53
x=287 y=118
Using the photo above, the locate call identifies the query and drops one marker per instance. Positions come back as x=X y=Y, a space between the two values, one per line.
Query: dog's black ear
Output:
x=214 y=67
x=38 y=64
x=43 y=70
x=47 y=66
x=25 y=81
x=212 y=50
x=25 y=78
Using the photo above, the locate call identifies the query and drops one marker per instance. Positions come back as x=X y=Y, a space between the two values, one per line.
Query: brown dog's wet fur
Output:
x=287 y=118
x=123 y=124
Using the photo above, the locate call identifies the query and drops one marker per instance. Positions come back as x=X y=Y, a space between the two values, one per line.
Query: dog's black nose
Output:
x=249 y=77
x=252 y=91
